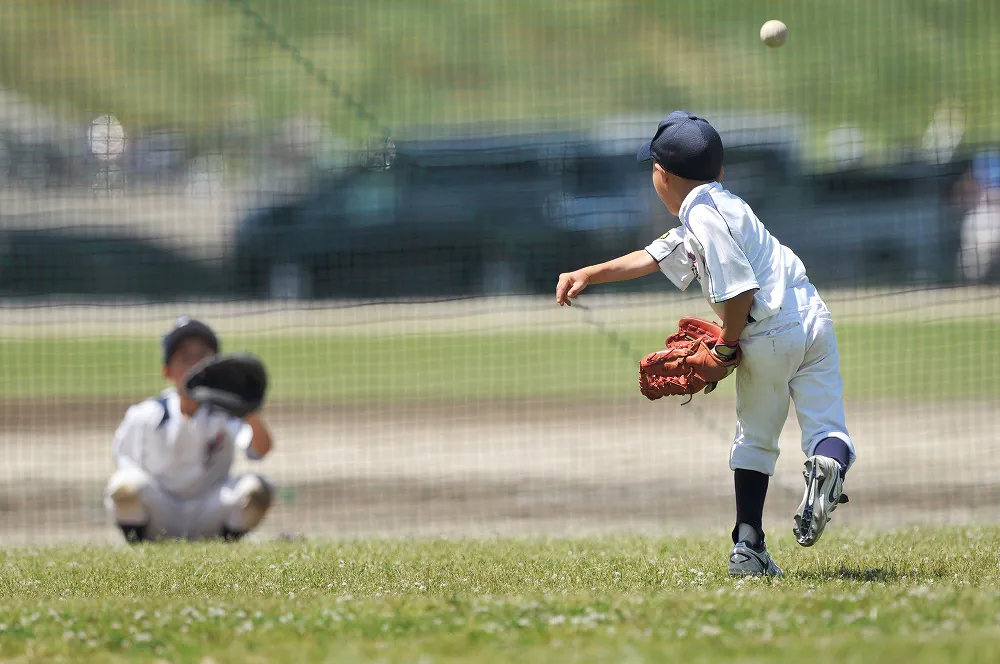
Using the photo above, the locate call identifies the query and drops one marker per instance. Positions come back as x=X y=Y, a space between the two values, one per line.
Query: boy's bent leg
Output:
x=817 y=391
x=136 y=504
x=250 y=500
x=235 y=508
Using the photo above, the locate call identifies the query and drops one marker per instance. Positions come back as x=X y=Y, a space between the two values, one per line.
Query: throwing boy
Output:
x=773 y=320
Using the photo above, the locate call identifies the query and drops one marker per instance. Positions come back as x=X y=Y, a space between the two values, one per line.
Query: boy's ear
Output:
x=662 y=172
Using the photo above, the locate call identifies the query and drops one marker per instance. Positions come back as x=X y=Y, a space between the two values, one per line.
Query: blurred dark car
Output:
x=80 y=262
x=507 y=215
x=873 y=226
x=448 y=218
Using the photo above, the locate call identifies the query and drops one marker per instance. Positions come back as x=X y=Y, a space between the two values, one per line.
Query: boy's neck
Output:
x=685 y=187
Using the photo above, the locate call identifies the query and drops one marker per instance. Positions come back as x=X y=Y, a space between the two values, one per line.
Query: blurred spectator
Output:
x=979 y=192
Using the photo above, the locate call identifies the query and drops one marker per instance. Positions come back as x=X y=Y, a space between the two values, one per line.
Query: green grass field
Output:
x=914 y=596
x=885 y=65
x=878 y=360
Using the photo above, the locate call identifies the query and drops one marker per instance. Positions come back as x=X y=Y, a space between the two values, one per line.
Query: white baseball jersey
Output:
x=187 y=457
x=723 y=245
x=789 y=350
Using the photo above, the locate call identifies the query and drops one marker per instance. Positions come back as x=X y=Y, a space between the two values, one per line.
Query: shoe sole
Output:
x=814 y=511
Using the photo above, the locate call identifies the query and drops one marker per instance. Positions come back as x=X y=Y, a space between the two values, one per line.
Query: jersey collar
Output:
x=692 y=195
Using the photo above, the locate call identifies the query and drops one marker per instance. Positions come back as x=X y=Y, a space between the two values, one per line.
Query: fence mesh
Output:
x=378 y=198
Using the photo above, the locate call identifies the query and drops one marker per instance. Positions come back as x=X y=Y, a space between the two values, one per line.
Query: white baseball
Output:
x=774 y=33
x=106 y=137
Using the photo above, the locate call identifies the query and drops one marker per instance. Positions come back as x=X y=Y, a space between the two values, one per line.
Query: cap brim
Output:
x=645 y=152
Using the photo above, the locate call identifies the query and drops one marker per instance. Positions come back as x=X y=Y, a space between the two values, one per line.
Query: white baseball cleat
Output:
x=745 y=560
x=824 y=491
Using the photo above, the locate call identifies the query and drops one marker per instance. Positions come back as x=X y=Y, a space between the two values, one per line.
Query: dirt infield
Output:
x=482 y=468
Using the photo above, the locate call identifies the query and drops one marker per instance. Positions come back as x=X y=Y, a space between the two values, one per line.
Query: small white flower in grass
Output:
x=557 y=620
x=708 y=630
x=92 y=643
x=68 y=636
x=244 y=627
x=143 y=637
x=115 y=625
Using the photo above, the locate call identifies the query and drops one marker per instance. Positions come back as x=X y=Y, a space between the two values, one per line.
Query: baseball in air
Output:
x=774 y=33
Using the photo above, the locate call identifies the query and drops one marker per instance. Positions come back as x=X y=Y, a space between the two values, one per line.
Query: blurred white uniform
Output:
x=981 y=236
x=174 y=472
x=981 y=227
x=789 y=348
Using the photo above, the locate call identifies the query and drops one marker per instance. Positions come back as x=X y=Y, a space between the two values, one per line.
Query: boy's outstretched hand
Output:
x=630 y=266
x=570 y=285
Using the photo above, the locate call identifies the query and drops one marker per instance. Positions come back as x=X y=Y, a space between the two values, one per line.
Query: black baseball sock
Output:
x=134 y=534
x=231 y=535
x=751 y=491
x=837 y=449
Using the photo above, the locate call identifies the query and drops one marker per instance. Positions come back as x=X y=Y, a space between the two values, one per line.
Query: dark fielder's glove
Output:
x=689 y=364
x=234 y=382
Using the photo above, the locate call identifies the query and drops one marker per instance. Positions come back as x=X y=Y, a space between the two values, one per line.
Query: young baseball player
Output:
x=174 y=457
x=771 y=314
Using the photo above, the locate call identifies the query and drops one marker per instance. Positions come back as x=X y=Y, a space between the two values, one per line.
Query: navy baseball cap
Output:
x=186 y=328
x=686 y=146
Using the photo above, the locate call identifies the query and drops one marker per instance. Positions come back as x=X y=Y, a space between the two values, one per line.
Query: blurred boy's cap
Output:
x=186 y=328
x=686 y=146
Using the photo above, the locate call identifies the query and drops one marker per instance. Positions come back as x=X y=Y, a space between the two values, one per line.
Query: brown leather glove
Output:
x=688 y=365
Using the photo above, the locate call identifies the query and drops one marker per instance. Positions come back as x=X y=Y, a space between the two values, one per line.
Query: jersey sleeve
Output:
x=672 y=258
x=727 y=268
x=127 y=448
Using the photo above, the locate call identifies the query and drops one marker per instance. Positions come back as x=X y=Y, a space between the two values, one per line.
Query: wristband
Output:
x=726 y=350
